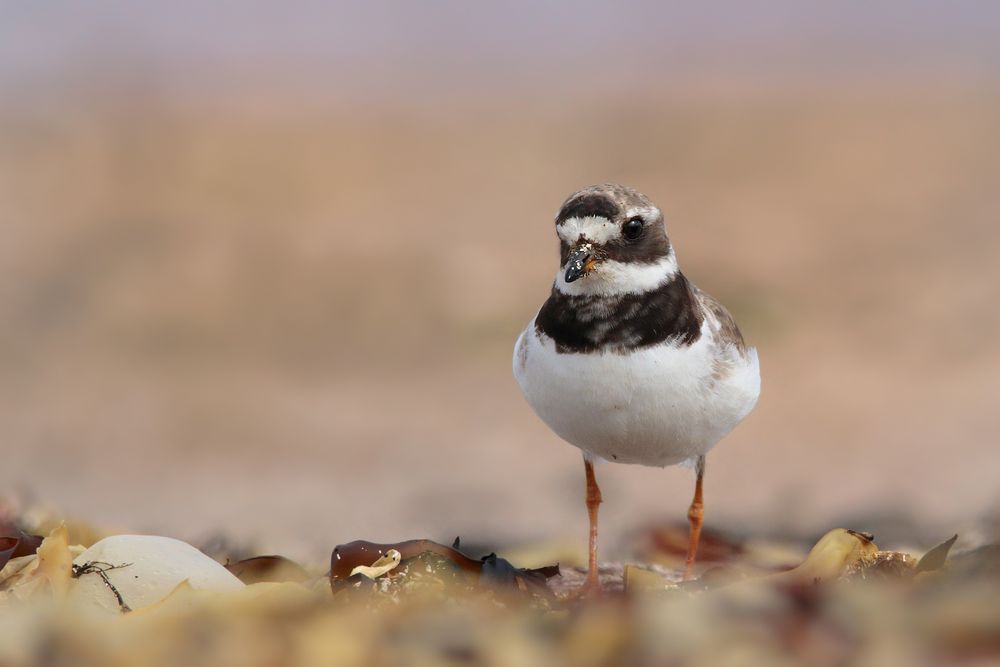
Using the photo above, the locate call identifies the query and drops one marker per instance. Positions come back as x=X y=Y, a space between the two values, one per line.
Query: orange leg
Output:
x=593 y=501
x=696 y=516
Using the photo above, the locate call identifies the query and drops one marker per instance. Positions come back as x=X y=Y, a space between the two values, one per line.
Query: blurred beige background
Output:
x=262 y=267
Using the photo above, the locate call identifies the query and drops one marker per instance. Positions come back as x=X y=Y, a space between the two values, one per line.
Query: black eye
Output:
x=632 y=228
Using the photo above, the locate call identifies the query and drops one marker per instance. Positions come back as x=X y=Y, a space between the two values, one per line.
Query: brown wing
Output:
x=728 y=331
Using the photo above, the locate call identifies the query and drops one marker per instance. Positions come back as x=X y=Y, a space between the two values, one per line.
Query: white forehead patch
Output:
x=595 y=228
x=647 y=213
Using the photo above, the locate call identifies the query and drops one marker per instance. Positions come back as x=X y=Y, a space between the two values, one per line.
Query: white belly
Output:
x=656 y=406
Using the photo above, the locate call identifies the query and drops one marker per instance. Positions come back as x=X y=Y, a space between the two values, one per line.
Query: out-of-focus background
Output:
x=262 y=266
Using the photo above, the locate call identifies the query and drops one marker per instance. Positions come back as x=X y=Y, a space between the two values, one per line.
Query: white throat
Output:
x=613 y=278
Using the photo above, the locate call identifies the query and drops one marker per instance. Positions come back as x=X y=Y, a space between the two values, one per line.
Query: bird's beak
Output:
x=582 y=260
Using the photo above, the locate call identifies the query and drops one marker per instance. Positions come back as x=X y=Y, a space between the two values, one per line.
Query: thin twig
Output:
x=101 y=569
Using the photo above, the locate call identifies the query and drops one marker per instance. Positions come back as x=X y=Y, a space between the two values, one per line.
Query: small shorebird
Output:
x=627 y=360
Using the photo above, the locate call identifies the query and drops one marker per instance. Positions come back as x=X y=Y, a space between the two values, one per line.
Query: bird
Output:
x=627 y=359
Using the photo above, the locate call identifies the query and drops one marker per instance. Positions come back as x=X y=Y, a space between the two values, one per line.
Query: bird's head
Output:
x=612 y=241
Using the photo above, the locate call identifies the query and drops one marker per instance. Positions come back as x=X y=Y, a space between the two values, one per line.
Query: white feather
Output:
x=654 y=406
x=594 y=228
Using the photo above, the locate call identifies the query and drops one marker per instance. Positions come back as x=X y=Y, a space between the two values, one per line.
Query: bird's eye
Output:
x=632 y=228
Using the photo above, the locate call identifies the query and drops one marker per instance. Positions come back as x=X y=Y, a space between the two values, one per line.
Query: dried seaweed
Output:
x=846 y=599
x=15 y=547
x=491 y=570
x=275 y=569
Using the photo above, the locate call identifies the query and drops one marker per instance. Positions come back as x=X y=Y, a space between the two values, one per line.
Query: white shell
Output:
x=155 y=567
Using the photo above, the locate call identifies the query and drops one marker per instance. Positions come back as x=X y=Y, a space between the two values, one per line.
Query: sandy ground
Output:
x=293 y=322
